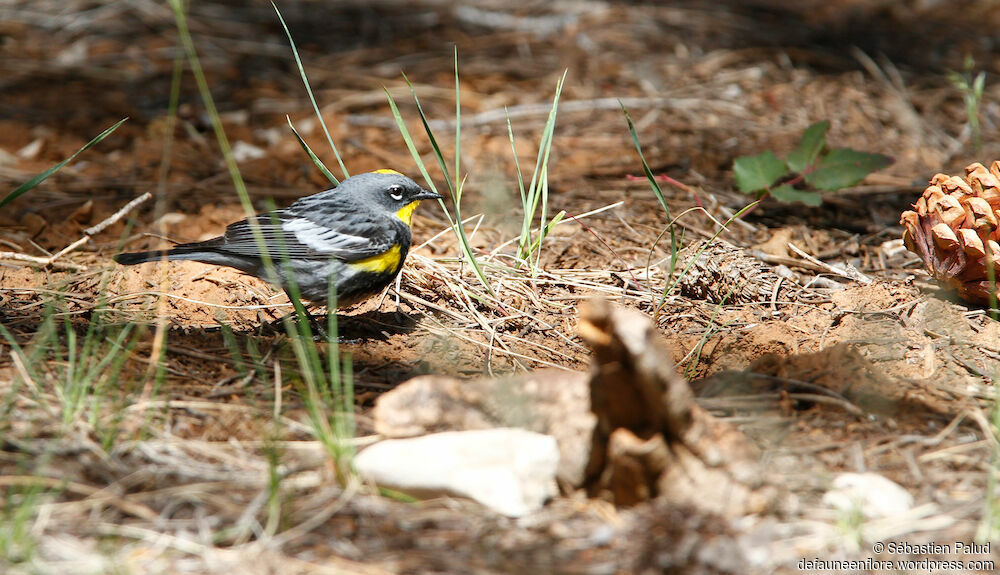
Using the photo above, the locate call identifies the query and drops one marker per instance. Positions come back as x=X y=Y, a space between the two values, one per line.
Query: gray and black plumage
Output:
x=356 y=235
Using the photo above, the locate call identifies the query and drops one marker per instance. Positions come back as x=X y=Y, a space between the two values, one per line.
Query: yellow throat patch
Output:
x=386 y=261
x=405 y=213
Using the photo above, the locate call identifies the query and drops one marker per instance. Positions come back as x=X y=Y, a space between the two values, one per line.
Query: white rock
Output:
x=75 y=54
x=511 y=471
x=548 y=401
x=31 y=151
x=242 y=151
x=873 y=495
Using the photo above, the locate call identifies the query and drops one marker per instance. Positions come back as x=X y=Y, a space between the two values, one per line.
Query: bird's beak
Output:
x=427 y=195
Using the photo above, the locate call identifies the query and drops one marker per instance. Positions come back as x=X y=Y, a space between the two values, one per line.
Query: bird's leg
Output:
x=302 y=311
x=318 y=328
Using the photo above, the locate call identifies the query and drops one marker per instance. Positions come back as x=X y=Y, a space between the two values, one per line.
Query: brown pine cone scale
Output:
x=953 y=228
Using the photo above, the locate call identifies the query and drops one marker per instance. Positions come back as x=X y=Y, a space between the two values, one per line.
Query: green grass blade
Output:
x=233 y=347
x=315 y=159
x=334 y=392
x=548 y=228
x=15 y=348
x=456 y=224
x=541 y=166
x=27 y=186
x=655 y=186
x=458 y=133
x=117 y=348
x=305 y=80
x=434 y=146
x=675 y=242
x=645 y=166
x=405 y=132
x=542 y=229
x=513 y=153
x=345 y=416
x=70 y=376
x=184 y=34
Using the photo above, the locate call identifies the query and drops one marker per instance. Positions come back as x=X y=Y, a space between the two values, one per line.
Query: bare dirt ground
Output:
x=168 y=472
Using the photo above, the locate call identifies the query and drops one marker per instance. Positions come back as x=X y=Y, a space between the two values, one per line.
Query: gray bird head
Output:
x=386 y=188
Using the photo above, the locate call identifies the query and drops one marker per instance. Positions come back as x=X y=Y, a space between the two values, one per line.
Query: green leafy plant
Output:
x=971 y=88
x=807 y=170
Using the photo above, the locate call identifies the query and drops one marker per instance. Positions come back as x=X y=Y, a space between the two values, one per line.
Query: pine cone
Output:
x=953 y=228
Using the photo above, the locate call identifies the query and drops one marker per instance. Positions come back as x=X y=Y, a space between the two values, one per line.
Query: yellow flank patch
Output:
x=405 y=213
x=386 y=261
x=387 y=171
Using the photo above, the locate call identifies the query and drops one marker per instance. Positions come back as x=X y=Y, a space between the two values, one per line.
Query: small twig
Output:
x=19 y=257
x=94 y=496
x=976 y=414
x=421 y=301
x=848 y=274
x=94 y=230
x=590 y=106
x=789 y=382
x=233 y=388
x=785 y=261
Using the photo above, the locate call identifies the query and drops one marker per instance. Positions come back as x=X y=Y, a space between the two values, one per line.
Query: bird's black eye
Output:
x=396 y=192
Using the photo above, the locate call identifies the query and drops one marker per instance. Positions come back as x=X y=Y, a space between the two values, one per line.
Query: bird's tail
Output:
x=182 y=252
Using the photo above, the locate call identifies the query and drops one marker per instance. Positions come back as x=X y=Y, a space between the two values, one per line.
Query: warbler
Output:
x=355 y=236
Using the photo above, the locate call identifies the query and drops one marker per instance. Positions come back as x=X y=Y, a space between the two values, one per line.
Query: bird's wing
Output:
x=297 y=235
